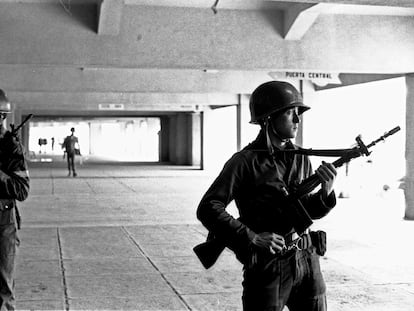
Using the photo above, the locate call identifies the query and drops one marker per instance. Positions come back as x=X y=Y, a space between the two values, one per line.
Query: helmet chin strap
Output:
x=269 y=127
x=268 y=140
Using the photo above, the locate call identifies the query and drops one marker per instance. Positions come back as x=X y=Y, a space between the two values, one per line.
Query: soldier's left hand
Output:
x=327 y=174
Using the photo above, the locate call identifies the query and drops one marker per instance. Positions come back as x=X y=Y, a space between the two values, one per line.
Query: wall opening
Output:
x=121 y=139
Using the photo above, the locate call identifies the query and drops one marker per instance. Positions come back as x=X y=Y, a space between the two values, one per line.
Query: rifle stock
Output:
x=209 y=251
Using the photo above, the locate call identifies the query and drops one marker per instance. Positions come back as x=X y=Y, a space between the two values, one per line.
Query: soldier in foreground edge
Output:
x=14 y=185
x=280 y=266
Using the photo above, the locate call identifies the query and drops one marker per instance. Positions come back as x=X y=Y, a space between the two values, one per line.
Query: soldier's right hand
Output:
x=270 y=241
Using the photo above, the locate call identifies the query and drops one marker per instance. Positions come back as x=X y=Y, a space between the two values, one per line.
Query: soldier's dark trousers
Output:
x=8 y=248
x=294 y=280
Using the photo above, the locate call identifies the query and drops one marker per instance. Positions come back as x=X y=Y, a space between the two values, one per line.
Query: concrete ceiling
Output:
x=77 y=56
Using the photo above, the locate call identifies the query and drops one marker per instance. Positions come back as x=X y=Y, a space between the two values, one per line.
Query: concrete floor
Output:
x=120 y=237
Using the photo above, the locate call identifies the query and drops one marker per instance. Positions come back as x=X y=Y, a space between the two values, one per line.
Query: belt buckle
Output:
x=294 y=245
x=295 y=236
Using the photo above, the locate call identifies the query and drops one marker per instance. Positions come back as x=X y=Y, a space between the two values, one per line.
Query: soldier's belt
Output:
x=296 y=243
x=290 y=237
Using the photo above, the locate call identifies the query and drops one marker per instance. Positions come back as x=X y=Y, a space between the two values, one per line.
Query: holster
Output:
x=319 y=241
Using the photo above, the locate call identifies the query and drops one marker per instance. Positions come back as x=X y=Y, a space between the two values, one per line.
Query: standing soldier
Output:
x=281 y=265
x=14 y=185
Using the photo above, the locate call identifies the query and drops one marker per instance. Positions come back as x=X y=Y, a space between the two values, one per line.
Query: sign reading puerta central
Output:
x=317 y=77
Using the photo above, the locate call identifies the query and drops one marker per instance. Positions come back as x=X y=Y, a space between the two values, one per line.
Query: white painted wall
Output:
x=220 y=137
x=338 y=115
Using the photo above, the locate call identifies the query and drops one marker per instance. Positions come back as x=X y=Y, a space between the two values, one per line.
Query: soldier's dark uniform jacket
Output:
x=14 y=185
x=253 y=179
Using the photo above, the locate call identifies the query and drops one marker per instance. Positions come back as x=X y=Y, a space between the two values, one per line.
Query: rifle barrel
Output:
x=393 y=131
x=389 y=133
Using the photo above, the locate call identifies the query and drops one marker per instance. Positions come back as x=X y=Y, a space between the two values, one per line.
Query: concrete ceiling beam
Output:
x=298 y=19
x=110 y=17
x=50 y=99
x=389 y=3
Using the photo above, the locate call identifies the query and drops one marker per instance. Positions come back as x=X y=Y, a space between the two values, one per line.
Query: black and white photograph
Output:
x=207 y=155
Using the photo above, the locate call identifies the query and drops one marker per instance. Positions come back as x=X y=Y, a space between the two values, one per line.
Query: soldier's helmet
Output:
x=5 y=106
x=274 y=96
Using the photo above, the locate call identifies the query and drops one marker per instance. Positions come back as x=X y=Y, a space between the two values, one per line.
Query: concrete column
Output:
x=165 y=139
x=195 y=142
x=206 y=118
x=180 y=140
x=180 y=145
x=409 y=150
x=172 y=138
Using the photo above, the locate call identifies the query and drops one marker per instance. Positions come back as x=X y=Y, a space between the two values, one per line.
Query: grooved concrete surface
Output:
x=120 y=237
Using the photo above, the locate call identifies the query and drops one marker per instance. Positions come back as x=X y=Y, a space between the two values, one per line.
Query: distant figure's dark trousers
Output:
x=71 y=162
x=294 y=280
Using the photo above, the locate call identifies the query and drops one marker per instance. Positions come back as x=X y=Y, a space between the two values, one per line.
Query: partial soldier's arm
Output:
x=212 y=208
x=14 y=176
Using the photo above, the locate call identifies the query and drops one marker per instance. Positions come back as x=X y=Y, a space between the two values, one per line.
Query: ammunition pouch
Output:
x=319 y=241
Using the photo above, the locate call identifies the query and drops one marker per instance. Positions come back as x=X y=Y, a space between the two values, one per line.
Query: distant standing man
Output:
x=281 y=265
x=14 y=185
x=69 y=144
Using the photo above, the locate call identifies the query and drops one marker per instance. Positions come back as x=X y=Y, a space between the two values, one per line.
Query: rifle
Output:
x=8 y=141
x=209 y=251
x=14 y=130
x=297 y=214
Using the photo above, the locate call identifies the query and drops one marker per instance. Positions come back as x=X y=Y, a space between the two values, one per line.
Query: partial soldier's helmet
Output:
x=274 y=96
x=5 y=106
